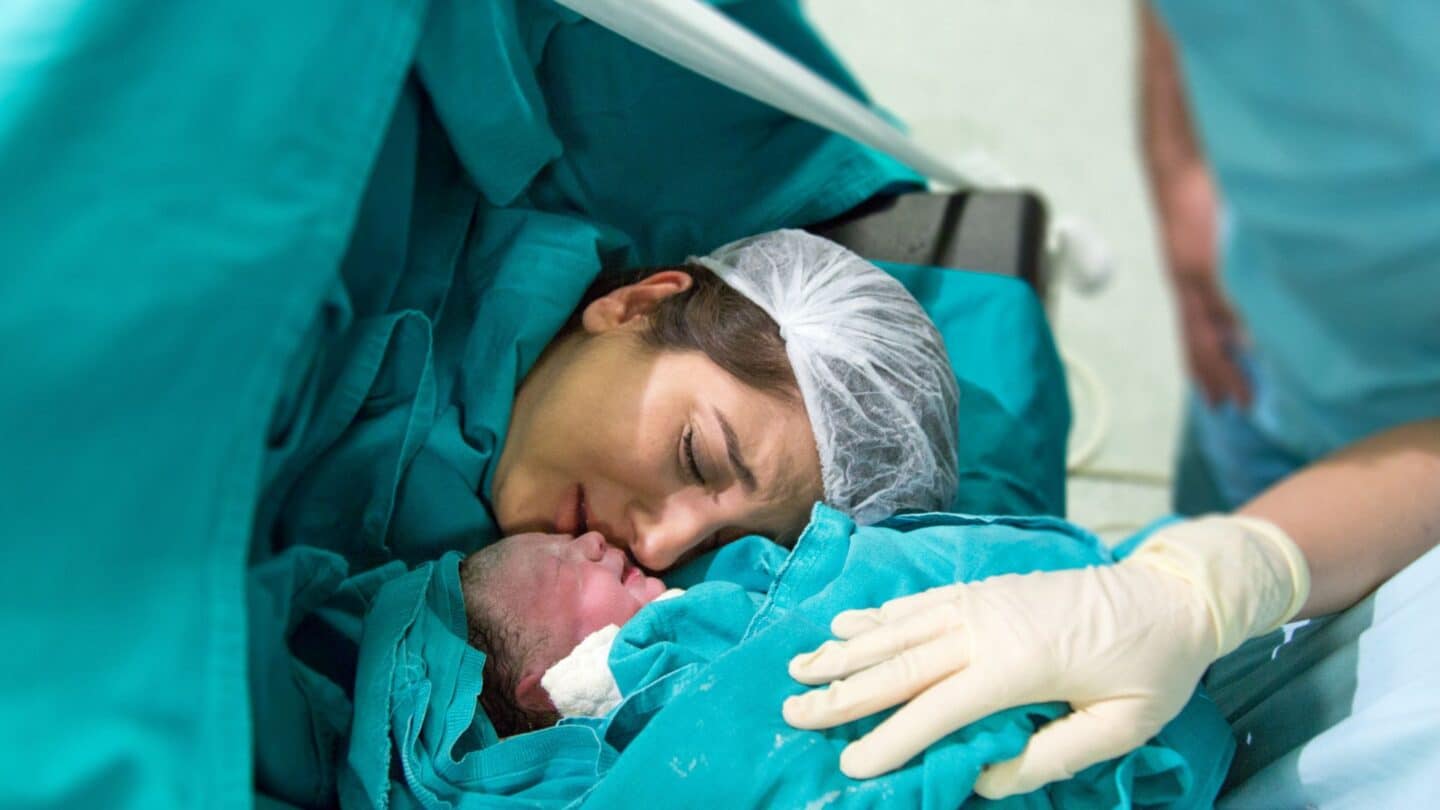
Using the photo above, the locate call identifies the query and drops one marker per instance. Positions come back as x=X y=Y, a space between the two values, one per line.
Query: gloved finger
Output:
x=1069 y=745
x=953 y=703
x=852 y=623
x=879 y=687
x=838 y=659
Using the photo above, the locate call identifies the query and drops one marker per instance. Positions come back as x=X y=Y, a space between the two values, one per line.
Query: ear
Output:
x=530 y=695
x=628 y=306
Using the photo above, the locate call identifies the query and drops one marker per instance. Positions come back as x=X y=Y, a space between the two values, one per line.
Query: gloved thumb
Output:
x=1069 y=745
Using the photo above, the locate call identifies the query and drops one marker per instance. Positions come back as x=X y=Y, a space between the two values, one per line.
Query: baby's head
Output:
x=529 y=600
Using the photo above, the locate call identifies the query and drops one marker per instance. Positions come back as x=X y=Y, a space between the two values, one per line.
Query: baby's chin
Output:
x=643 y=588
x=653 y=588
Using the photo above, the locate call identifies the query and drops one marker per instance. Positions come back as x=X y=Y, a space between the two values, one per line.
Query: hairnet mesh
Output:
x=871 y=367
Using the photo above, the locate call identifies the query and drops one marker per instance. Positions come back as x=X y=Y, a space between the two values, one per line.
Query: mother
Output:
x=698 y=404
x=675 y=410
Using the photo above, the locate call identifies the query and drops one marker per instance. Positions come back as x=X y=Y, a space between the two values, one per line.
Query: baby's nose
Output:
x=592 y=545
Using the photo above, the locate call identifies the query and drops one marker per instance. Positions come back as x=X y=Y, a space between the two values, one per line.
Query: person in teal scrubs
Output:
x=1297 y=182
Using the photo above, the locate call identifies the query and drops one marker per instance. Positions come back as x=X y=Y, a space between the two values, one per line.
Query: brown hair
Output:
x=710 y=317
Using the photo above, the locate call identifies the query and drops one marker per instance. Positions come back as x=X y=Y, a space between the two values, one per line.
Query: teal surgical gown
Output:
x=1318 y=121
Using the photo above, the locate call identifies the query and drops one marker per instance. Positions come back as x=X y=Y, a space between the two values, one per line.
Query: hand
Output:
x=1124 y=645
x=1209 y=329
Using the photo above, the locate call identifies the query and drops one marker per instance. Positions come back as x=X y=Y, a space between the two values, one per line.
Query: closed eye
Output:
x=693 y=468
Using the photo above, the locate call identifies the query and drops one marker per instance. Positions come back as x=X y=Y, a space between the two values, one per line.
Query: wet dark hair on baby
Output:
x=490 y=629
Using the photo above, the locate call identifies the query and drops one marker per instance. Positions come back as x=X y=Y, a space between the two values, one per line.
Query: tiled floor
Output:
x=1049 y=89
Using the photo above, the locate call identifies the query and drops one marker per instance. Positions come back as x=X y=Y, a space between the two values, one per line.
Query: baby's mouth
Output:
x=637 y=581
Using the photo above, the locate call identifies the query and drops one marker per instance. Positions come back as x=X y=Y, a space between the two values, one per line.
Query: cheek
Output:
x=626 y=460
x=616 y=433
x=603 y=601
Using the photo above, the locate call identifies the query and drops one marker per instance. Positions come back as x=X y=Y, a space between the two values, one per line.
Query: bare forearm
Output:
x=1168 y=140
x=1362 y=514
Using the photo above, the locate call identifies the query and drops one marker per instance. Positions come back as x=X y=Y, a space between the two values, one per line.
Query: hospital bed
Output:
x=989 y=231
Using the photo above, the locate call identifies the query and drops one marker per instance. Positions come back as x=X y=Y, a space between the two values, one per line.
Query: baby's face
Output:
x=561 y=589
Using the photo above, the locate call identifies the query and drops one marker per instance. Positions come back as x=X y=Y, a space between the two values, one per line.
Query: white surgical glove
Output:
x=1124 y=645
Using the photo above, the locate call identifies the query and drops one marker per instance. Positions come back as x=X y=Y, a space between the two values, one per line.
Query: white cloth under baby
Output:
x=581 y=684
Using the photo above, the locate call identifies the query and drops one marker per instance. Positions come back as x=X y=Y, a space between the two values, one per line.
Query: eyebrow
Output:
x=732 y=450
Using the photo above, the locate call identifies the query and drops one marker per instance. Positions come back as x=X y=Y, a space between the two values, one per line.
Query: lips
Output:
x=642 y=587
x=632 y=578
x=570 y=516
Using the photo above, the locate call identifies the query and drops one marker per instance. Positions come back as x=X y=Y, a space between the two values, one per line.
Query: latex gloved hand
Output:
x=1124 y=645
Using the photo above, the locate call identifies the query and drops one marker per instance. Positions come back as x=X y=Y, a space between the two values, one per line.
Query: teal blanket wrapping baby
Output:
x=704 y=677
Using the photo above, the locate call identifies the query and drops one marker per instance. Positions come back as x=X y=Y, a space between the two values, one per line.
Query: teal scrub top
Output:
x=1318 y=121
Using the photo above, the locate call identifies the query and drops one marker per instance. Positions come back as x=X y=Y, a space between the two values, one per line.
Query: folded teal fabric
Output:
x=180 y=181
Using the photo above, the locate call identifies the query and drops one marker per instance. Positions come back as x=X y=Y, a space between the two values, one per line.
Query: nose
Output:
x=592 y=545
x=664 y=535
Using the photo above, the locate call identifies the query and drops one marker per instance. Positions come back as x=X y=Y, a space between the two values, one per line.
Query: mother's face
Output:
x=663 y=452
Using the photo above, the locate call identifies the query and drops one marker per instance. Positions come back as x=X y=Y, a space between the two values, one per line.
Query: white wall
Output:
x=1048 y=87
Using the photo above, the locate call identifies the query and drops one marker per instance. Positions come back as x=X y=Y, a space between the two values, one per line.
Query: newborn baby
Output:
x=530 y=601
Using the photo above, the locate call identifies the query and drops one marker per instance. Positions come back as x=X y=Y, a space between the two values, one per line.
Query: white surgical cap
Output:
x=872 y=370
